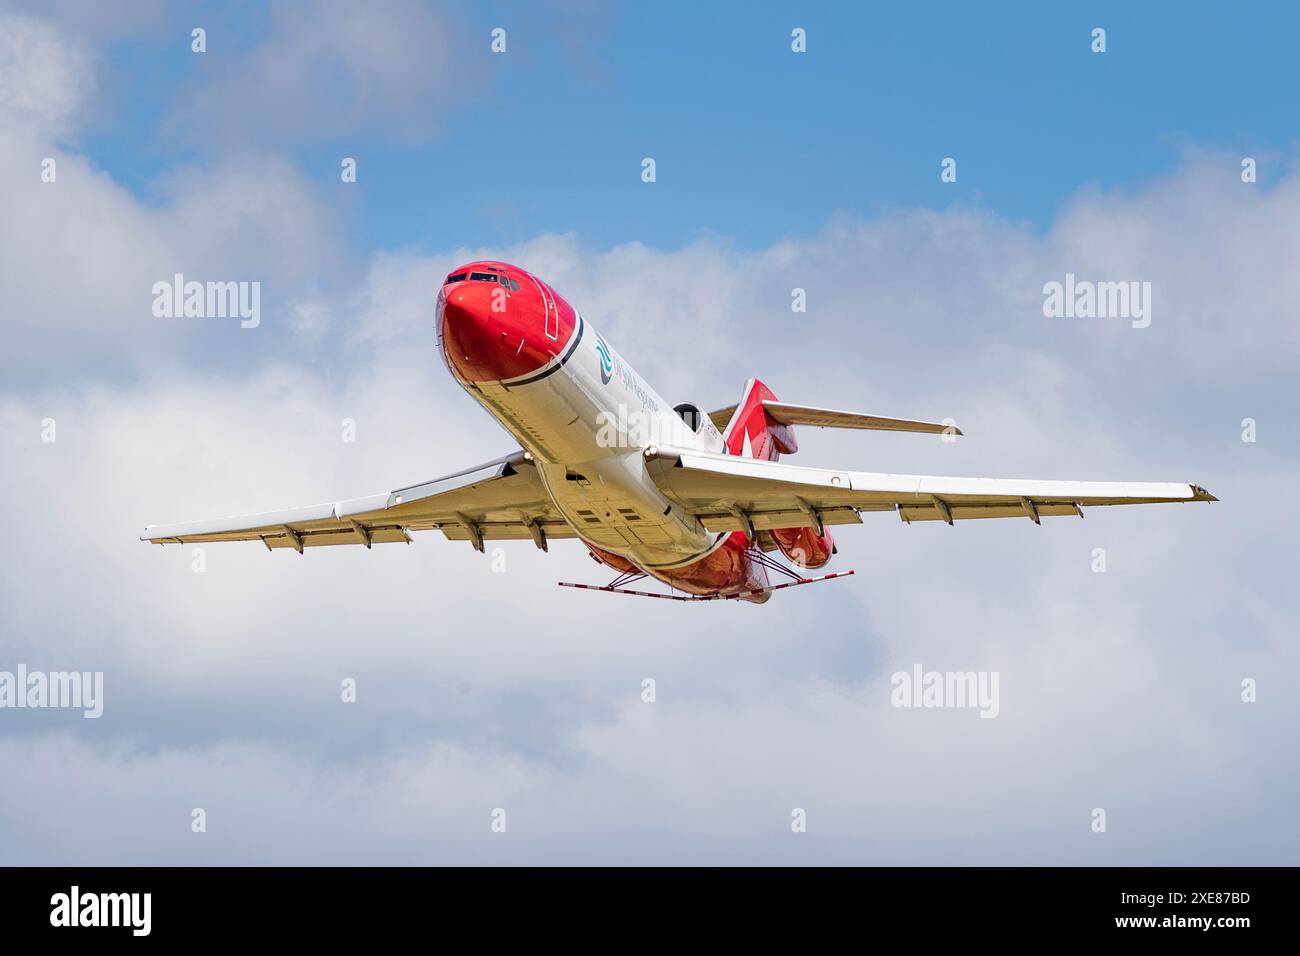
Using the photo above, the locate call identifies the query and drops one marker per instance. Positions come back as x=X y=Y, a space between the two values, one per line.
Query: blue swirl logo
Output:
x=606 y=361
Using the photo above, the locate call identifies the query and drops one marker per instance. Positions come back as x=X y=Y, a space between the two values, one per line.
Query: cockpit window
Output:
x=490 y=277
x=505 y=280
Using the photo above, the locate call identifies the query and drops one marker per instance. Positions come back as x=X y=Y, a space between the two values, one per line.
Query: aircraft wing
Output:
x=727 y=491
x=501 y=499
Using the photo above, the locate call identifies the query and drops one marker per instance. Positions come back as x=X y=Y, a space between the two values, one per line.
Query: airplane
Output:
x=697 y=501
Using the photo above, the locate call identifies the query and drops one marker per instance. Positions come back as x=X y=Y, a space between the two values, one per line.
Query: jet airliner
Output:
x=696 y=500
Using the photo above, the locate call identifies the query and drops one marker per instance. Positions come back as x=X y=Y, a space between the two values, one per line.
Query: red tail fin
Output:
x=751 y=431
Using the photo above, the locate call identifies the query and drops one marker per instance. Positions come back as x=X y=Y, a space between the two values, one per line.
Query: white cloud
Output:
x=79 y=255
x=44 y=79
x=333 y=70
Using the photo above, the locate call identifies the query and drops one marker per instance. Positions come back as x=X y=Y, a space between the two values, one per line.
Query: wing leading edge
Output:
x=725 y=490
x=501 y=499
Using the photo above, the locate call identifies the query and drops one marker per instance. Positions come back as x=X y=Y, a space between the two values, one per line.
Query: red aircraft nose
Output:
x=485 y=340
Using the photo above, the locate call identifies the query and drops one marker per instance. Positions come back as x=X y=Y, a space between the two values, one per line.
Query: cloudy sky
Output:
x=479 y=690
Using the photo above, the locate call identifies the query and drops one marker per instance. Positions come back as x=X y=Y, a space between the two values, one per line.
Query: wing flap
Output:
x=910 y=513
x=505 y=530
x=780 y=518
x=316 y=539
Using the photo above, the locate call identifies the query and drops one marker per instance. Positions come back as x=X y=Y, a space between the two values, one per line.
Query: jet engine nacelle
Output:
x=804 y=547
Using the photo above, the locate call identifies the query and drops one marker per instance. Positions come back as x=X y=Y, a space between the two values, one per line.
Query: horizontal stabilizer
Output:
x=787 y=414
x=783 y=413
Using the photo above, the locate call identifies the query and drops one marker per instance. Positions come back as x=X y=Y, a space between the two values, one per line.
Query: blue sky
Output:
x=753 y=142
x=776 y=171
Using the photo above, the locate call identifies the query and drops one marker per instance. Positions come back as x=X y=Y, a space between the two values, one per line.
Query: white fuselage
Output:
x=587 y=425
